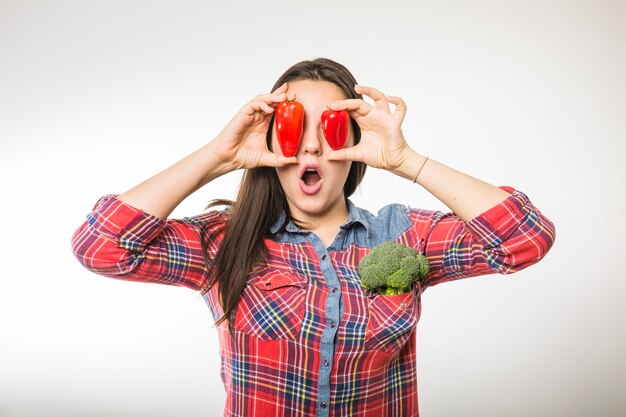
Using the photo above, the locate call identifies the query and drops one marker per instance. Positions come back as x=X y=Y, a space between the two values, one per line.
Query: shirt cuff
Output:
x=495 y=225
x=130 y=227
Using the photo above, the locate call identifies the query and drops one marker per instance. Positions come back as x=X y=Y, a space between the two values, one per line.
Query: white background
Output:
x=96 y=96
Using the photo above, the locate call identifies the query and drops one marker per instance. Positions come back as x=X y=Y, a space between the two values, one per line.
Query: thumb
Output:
x=272 y=160
x=345 y=154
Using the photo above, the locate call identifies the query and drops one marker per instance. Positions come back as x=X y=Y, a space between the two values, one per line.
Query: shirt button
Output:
x=334 y=289
x=323 y=404
x=323 y=257
x=325 y=362
x=332 y=324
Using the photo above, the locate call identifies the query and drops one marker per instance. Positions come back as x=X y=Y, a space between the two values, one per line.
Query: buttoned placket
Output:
x=333 y=301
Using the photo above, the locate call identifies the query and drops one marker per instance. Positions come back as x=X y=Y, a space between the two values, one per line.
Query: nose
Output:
x=311 y=141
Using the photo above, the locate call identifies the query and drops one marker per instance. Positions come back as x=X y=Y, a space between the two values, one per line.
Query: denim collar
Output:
x=355 y=215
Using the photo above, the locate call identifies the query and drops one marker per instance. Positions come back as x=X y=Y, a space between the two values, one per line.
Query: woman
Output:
x=278 y=268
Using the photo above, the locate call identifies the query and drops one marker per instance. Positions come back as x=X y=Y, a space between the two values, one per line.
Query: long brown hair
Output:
x=261 y=200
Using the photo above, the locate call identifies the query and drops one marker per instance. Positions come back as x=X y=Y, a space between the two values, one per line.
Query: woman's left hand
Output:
x=382 y=143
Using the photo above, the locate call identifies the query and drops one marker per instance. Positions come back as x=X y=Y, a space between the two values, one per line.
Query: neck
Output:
x=331 y=218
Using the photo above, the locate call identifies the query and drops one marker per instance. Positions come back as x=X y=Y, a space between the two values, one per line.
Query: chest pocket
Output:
x=391 y=320
x=272 y=305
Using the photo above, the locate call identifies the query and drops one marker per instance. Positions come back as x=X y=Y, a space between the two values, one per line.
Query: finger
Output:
x=258 y=106
x=400 y=107
x=272 y=160
x=271 y=97
x=274 y=98
x=380 y=100
x=356 y=106
x=286 y=160
x=266 y=108
x=282 y=97
x=345 y=154
x=262 y=106
x=269 y=101
x=282 y=89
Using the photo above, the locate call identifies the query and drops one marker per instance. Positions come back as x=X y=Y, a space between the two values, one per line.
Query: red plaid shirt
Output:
x=308 y=339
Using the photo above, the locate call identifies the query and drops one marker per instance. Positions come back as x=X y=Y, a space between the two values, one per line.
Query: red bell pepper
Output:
x=335 y=127
x=289 y=125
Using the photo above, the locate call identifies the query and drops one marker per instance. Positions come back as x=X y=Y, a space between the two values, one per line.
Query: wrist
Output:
x=411 y=165
x=214 y=165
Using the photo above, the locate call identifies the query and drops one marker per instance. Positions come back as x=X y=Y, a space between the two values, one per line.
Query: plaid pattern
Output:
x=309 y=340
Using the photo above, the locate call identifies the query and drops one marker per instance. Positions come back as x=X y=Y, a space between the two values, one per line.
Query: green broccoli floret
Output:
x=391 y=268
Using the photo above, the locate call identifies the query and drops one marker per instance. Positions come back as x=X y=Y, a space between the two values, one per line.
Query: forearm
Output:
x=464 y=195
x=162 y=193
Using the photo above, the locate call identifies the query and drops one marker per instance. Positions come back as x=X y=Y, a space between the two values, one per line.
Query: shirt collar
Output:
x=355 y=215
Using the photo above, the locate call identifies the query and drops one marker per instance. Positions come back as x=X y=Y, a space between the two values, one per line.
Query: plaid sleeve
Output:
x=124 y=242
x=507 y=238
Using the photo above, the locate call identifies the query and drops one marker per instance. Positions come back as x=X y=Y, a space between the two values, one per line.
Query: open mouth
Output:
x=311 y=177
x=311 y=180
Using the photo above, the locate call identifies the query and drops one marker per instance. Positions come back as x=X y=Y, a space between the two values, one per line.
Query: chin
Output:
x=313 y=205
x=316 y=204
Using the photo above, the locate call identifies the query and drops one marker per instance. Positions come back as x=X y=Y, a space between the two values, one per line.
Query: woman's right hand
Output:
x=242 y=143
